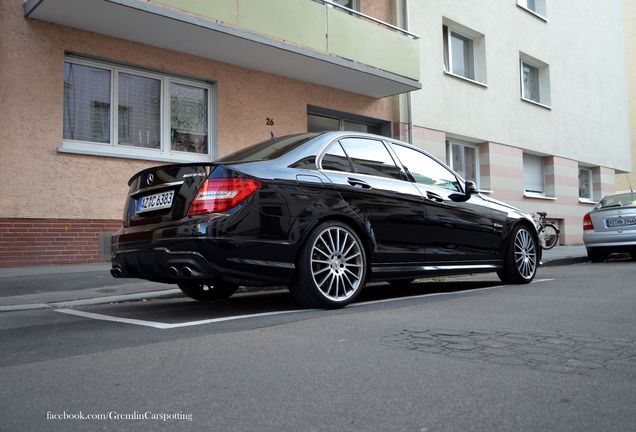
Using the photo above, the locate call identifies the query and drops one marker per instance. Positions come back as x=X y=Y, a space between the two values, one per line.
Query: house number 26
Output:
x=269 y=121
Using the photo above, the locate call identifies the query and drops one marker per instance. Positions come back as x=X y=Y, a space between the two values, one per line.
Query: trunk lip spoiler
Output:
x=154 y=187
x=154 y=168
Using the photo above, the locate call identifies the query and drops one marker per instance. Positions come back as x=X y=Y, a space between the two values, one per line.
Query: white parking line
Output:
x=164 y=326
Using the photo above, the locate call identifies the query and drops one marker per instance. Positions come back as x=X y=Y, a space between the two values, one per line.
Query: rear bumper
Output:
x=611 y=239
x=208 y=248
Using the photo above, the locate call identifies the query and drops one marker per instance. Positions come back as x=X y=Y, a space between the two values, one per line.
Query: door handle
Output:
x=433 y=196
x=358 y=183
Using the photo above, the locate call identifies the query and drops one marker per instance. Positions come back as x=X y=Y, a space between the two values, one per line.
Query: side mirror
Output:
x=471 y=188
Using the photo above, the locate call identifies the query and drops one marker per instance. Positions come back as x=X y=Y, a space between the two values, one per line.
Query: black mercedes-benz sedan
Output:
x=323 y=213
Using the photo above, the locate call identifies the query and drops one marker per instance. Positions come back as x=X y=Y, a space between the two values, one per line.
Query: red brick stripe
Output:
x=30 y=242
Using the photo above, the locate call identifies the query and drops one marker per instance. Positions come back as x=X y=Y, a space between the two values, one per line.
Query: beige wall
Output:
x=37 y=181
x=380 y=9
x=622 y=183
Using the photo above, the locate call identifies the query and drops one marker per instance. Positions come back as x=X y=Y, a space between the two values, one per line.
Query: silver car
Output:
x=611 y=227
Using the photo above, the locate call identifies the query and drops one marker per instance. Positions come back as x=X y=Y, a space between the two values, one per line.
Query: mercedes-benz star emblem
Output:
x=150 y=179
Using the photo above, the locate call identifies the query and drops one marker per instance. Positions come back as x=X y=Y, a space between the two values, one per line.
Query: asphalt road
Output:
x=556 y=355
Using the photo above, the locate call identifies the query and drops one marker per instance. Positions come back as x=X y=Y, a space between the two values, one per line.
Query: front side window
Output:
x=370 y=157
x=534 y=182
x=426 y=170
x=463 y=159
x=585 y=183
x=118 y=111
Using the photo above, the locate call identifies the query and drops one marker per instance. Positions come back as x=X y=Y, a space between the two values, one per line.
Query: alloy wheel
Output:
x=337 y=263
x=525 y=253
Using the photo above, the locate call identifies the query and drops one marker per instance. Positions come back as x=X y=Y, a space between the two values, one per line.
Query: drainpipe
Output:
x=409 y=110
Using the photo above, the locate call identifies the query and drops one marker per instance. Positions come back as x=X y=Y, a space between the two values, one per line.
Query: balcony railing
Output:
x=321 y=25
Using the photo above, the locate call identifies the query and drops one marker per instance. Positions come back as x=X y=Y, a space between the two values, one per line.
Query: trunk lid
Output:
x=163 y=193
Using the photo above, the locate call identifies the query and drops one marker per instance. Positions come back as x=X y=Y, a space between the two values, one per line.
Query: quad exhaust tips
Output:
x=173 y=272
x=185 y=272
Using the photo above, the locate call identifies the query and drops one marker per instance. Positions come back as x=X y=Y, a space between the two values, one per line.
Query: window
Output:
x=585 y=183
x=116 y=111
x=463 y=158
x=426 y=170
x=351 y=4
x=533 y=177
x=370 y=157
x=535 y=81
x=536 y=7
x=464 y=52
x=321 y=123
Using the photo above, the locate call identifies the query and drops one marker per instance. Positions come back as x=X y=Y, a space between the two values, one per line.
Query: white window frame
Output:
x=539 y=10
x=477 y=51
x=164 y=153
x=544 y=81
x=526 y=191
x=449 y=157
x=588 y=171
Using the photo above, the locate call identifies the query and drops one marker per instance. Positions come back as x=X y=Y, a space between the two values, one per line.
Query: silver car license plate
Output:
x=155 y=202
x=617 y=222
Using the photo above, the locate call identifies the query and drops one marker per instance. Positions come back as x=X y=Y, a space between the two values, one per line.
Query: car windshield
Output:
x=270 y=149
x=620 y=200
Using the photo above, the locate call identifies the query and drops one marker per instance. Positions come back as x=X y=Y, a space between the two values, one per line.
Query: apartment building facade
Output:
x=94 y=91
x=627 y=182
x=525 y=97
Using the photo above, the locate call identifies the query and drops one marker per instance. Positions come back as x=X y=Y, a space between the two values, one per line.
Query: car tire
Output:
x=331 y=267
x=596 y=256
x=218 y=291
x=520 y=261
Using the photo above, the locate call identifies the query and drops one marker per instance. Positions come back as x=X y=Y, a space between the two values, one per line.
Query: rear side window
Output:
x=335 y=159
x=371 y=157
x=270 y=149
x=425 y=170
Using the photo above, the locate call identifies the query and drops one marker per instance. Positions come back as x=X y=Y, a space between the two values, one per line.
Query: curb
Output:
x=170 y=293
x=565 y=261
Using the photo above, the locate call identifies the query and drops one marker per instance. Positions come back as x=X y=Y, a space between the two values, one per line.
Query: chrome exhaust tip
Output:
x=187 y=272
x=116 y=272
x=173 y=272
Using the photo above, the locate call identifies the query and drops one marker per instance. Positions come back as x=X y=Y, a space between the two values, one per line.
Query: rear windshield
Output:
x=270 y=149
x=621 y=200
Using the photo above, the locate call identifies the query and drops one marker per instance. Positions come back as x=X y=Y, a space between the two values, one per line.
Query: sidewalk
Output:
x=25 y=288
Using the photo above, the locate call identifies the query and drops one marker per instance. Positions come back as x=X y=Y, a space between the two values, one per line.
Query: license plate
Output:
x=616 y=222
x=155 y=202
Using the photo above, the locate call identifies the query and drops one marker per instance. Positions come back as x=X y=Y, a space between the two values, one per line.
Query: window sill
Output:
x=485 y=191
x=587 y=201
x=463 y=78
x=531 y=12
x=92 y=149
x=548 y=107
x=537 y=196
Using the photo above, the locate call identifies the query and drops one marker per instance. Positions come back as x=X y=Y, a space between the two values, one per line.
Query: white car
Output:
x=611 y=227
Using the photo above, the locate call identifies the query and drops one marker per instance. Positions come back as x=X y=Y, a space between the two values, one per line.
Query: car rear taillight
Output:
x=221 y=194
x=587 y=223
